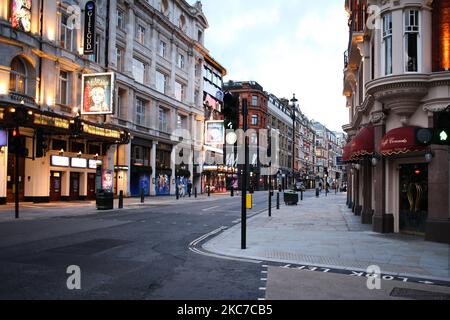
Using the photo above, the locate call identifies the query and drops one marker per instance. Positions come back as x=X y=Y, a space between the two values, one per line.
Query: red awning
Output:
x=400 y=141
x=363 y=144
x=347 y=152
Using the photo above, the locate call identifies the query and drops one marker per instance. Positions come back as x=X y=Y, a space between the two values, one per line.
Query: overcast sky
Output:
x=287 y=46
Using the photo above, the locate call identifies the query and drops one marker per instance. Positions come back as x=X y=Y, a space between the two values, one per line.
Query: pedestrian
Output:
x=189 y=188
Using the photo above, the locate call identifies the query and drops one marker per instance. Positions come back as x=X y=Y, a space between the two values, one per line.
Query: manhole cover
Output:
x=419 y=294
x=90 y=247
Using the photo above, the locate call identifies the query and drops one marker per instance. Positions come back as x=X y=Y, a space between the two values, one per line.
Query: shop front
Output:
x=141 y=170
x=163 y=174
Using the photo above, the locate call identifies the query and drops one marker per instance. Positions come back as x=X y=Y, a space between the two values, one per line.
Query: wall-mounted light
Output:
x=429 y=156
x=375 y=159
x=80 y=154
x=358 y=166
x=61 y=152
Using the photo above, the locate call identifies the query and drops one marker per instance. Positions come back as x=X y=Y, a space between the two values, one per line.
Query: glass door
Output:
x=413 y=198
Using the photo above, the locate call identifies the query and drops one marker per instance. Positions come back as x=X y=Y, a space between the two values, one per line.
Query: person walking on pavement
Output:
x=189 y=186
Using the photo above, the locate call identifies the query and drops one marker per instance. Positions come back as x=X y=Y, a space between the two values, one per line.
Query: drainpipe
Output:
x=41 y=9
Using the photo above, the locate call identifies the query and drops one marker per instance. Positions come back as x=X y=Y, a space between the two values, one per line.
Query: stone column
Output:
x=128 y=63
x=367 y=212
x=112 y=55
x=438 y=224
x=356 y=188
x=382 y=222
x=153 y=165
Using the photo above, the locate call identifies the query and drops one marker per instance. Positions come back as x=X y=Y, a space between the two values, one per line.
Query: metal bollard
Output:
x=121 y=199
x=142 y=196
x=301 y=195
x=232 y=191
x=195 y=192
x=317 y=192
x=278 y=201
x=209 y=192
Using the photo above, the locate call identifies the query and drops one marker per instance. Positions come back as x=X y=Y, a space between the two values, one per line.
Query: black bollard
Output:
x=270 y=203
x=209 y=192
x=195 y=192
x=278 y=201
x=317 y=192
x=232 y=191
x=121 y=199
x=142 y=196
x=301 y=195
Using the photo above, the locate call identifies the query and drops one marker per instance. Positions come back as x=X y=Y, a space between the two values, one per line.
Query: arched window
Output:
x=18 y=76
x=164 y=6
x=182 y=22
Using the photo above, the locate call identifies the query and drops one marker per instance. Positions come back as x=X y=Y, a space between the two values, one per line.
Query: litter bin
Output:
x=105 y=200
x=291 y=198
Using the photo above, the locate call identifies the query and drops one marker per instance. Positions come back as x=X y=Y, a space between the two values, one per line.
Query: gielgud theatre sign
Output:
x=89 y=28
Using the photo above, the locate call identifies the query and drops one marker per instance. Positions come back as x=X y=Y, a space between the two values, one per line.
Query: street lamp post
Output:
x=294 y=118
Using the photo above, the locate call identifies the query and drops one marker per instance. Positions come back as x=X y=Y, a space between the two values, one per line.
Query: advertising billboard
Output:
x=3 y=138
x=107 y=180
x=215 y=133
x=21 y=15
x=98 y=93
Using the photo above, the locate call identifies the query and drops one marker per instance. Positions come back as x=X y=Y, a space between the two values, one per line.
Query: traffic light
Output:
x=442 y=128
x=41 y=144
x=231 y=111
x=424 y=136
x=17 y=143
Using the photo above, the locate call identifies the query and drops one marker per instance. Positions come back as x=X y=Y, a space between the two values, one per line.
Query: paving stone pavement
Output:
x=323 y=232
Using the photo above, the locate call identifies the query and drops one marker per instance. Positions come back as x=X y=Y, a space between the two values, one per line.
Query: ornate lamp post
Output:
x=294 y=119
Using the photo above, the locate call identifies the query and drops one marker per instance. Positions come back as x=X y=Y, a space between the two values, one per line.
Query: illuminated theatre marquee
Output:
x=98 y=131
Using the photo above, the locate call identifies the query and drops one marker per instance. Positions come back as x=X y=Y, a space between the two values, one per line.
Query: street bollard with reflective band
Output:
x=121 y=199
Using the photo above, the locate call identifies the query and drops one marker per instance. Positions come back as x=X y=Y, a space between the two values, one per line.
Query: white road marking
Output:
x=263 y=279
x=263 y=289
x=209 y=209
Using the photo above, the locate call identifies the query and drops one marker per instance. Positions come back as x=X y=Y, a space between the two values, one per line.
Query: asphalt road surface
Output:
x=129 y=254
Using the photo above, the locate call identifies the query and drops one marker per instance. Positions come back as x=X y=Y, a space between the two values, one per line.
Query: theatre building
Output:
x=125 y=104
x=396 y=77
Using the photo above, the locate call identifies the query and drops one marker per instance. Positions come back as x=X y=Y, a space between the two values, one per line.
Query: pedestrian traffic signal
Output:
x=17 y=144
x=231 y=111
x=442 y=128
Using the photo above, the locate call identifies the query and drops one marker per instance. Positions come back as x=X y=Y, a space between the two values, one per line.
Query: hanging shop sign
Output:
x=98 y=92
x=21 y=15
x=89 y=28
x=215 y=132
x=78 y=163
x=58 y=161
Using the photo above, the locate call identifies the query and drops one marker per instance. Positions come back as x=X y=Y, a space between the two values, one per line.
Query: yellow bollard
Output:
x=249 y=201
